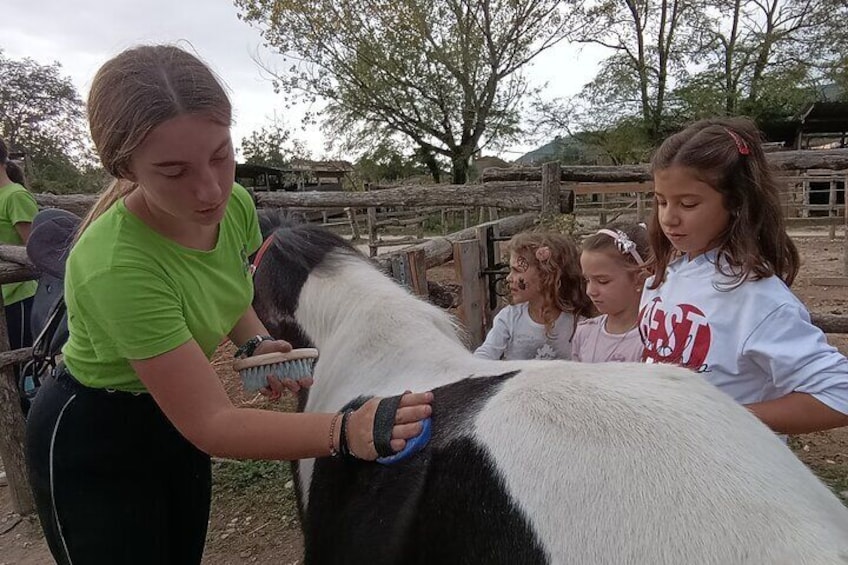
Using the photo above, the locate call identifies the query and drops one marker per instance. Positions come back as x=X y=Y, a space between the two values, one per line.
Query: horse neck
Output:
x=365 y=320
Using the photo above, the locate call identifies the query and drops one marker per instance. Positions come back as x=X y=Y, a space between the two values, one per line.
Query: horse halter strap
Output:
x=258 y=258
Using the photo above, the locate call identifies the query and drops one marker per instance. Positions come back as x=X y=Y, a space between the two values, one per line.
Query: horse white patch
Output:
x=626 y=463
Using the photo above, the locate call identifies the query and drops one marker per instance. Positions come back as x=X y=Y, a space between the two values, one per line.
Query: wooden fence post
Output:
x=13 y=426
x=354 y=227
x=845 y=218
x=410 y=270
x=372 y=232
x=831 y=209
x=466 y=260
x=550 y=191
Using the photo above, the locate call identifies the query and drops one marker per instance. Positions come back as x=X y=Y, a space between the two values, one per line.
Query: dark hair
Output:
x=13 y=171
x=727 y=154
x=560 y=275
x=136 y=91
x=637 y=233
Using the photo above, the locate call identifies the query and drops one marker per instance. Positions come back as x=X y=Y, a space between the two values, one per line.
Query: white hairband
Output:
x=624 y=243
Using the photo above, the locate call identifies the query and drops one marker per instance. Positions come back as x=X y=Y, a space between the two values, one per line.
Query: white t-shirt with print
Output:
x=755 y=342
x=594 y=344
x=514 y=335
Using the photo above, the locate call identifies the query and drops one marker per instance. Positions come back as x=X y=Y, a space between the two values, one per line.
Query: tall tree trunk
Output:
x=764 y=53
x=641 y=63
x=730 y=84
x=428 y=159
x=459 y=166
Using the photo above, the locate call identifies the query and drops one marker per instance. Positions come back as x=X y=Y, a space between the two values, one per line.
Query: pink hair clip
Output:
x=740 y=143
x=624 y=244
x=543 y=253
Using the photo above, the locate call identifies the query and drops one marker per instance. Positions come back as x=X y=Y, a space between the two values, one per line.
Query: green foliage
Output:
x=387 y=163
x=446 y=74
x=42 y=115
x=624 y=142
x=272 y=146
x=675 y=61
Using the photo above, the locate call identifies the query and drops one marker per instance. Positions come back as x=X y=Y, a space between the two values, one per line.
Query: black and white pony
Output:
x=529 y=461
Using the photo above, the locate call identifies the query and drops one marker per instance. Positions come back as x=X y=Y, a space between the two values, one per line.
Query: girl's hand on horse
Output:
x=276 y=387
x=413 y=408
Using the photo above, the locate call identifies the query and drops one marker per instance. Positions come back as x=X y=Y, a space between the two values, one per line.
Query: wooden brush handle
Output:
x=269 y=358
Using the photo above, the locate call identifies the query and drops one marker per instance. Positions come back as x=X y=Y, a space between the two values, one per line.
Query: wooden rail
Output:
x=539 y=189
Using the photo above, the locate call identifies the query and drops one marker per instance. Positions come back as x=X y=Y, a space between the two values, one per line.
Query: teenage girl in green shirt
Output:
x=118 y=444
x=17 y=209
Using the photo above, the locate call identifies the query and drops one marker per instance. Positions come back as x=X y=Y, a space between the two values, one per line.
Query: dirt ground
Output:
x=254 y=518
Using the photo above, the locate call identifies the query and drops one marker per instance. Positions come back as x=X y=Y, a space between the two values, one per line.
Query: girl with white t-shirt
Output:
x=613 y=263
x=719 y=301
x=548 y=300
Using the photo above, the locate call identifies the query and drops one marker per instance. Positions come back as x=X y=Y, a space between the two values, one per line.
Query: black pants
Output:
x=18 y=323
x=20 y=335
x=114 y=481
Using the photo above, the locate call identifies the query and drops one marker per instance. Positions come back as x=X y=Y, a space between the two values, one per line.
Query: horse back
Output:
x=447 y=504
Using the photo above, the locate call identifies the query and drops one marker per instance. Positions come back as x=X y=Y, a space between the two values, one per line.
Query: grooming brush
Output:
x=295 y=365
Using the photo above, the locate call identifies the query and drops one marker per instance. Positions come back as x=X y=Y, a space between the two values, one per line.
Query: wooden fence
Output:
x=544 y=196
x=545 y=191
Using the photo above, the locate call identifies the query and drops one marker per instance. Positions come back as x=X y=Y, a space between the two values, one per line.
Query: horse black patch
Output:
x=295 y=252
x=445 y=504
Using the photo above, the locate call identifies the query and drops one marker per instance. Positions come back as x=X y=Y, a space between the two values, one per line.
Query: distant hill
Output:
x=566 y=150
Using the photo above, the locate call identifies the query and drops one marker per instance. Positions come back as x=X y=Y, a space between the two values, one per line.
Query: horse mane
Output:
x=271 y=219
x=304 y=252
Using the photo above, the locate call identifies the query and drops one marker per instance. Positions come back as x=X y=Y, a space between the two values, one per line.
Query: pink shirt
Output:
x=593 y=344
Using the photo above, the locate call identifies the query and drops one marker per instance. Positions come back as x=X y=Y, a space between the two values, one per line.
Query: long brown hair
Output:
x=136 y=91
x=13 y=171
x=727 y=154
x=561 y=278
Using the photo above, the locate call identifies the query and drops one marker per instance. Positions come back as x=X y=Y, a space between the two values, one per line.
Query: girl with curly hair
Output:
x=548 y=299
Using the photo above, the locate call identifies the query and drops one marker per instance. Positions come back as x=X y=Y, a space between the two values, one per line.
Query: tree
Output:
x=272 y=146
x=387 y=162
x=650 y=43
x=446 y=74
x=764 y=57
x=42 y=114
x=605 y=133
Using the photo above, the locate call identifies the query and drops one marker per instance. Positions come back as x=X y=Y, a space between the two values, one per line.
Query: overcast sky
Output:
x=83 y=34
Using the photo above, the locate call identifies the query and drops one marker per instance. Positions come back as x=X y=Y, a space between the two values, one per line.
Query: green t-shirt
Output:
x=134 y=294
x=17 y=205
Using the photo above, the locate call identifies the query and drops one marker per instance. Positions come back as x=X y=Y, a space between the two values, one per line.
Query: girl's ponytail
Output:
x=116 y=190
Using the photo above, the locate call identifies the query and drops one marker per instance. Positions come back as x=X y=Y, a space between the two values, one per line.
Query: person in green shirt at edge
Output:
x=17 y=209
x=119 y=442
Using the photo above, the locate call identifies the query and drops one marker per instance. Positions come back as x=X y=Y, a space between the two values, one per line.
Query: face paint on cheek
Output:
x=521 y=264
x=522 y=285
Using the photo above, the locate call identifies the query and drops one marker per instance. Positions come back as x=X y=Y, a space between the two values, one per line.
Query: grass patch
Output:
x=254 y=483
x=835 y=477
x=828 y=463
x=254 y=506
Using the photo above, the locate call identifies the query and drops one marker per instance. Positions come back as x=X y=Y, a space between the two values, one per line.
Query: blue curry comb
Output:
x=413 y=445
x=295 y=365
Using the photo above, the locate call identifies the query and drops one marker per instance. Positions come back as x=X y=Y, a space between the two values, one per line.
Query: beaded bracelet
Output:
x=333 y=451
